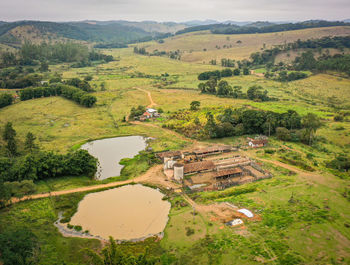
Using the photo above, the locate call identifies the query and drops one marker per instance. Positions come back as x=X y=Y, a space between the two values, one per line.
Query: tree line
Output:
x=227 y=72
x=251 y=29
x=285 y=76
x=69 y=92
x=175 y=55
x=234 y=29
x=223 y=89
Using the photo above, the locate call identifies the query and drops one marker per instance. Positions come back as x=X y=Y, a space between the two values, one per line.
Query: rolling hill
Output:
x=16 y=33
x=203 y=46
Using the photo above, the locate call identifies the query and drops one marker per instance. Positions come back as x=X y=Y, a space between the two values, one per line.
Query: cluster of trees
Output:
x=227 y=62
x=5 y=100
x=307 y=61
x=82 y=84
x=338 y=62
x=18 y=246
x=69 y=92
x=288 y=126
x=96 y=56
x=285 y=76
x=175 y=55
x=240 y=122
x=141 y=50
x=112 y=254
x=18 y=77
x=115 y=45
x=223 y=89
x=79 y=96
x=64 y=52
x=223 y=73
x=336 y=42
x=27 y=162
x=136 y=112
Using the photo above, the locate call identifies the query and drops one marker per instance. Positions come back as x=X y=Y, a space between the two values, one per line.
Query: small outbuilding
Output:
x=257 y=143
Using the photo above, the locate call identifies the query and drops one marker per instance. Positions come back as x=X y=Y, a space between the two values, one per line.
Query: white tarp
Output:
x=235 y=222
x=246 y=212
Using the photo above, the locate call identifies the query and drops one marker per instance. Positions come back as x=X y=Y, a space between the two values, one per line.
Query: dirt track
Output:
x=152 y=103
x=153 y=176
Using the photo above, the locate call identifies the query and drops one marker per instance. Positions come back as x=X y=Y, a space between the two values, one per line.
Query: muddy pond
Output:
x=131 y=212
x=110 y=151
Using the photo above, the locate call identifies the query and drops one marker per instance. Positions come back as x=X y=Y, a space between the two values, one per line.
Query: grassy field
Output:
x=201 y=47
x=304 y=215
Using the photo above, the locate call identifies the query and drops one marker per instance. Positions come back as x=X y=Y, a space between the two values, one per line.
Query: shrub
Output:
x=189 y=231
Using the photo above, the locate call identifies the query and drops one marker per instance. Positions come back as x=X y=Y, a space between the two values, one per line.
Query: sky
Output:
x=174 y=10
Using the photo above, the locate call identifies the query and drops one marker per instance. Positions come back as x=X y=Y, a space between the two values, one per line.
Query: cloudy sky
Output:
x=174 y=10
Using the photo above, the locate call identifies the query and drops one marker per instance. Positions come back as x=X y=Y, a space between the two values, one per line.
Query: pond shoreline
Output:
x=149 y=213
x=111 y=150
x=67 y=232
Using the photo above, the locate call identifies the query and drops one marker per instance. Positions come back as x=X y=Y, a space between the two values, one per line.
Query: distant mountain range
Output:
x=115 y=31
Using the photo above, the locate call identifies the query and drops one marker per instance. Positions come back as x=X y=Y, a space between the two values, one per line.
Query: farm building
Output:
x=228 y=173
x=198 y=167
x=232 y=162
x=145 y=116
x=212 y=150
x=255 y=143
x=150 y=113
x=153 y=112
x=169 y=158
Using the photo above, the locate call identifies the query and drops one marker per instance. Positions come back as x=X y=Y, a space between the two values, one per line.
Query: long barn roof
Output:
x=198 y=166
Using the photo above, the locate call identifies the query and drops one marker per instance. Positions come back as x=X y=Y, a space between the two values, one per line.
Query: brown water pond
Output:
x=110 y=151
x=130 y=212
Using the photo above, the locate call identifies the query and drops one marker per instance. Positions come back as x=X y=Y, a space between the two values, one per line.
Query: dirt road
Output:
x=153 y=176
x=152 y=103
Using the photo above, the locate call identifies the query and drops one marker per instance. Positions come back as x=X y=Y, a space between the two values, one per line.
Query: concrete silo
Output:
x=178 y=171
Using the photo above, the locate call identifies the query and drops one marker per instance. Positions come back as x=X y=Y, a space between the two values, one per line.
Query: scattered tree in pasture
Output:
x=9 y=135
x=30 y=142
x=195 y=105
x=311 y=123
x=44 y=66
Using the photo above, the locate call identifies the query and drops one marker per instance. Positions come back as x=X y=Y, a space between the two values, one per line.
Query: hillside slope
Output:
x=202 y=46
x=15 y=33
